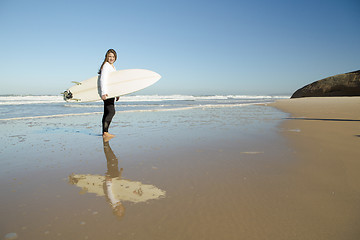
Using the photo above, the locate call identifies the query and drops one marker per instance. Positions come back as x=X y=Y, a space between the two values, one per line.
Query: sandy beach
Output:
x=325 y=134
x=250 y=172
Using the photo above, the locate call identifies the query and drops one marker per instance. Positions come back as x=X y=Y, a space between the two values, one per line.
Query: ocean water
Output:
x=14 y=107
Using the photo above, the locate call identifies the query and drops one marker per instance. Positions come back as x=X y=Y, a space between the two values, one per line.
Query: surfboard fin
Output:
x=77 y=83
x=67 y=95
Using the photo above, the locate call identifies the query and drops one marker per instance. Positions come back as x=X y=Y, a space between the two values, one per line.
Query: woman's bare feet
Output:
x=107 y=136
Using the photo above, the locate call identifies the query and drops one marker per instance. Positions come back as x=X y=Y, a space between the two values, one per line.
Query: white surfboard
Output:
x=119 y=83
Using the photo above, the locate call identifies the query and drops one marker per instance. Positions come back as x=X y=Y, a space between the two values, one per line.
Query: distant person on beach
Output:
x=109 y=108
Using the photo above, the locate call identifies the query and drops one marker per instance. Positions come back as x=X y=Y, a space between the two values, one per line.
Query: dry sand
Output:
x=325 y=133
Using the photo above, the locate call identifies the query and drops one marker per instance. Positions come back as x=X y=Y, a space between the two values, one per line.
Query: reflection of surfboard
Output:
x=123 y=190
x=119 y=83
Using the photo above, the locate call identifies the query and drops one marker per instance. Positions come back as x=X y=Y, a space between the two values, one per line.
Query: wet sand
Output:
x=229 y=173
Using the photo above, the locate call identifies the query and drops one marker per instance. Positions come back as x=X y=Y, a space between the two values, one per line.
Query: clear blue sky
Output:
x=199 y=47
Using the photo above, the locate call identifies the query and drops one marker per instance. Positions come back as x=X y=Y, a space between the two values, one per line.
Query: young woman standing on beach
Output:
x=109 y=108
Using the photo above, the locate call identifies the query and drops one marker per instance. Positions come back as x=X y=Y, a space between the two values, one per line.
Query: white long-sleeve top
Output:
x=106 y=69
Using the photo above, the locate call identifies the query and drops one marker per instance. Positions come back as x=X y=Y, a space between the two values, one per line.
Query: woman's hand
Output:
x=103 y=97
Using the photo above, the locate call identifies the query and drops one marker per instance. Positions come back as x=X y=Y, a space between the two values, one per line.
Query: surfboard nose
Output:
x=158 y=75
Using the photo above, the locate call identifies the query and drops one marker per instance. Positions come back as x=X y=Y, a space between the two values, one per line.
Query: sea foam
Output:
x=34 y=107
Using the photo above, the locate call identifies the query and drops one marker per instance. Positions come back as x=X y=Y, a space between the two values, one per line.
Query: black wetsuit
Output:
x=109 y=112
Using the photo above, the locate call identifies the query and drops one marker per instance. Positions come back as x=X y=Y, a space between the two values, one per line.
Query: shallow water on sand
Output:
x=214 y=173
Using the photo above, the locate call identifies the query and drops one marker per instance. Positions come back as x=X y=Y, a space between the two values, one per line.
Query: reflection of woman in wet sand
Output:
x=115 y=189
x=112 y=172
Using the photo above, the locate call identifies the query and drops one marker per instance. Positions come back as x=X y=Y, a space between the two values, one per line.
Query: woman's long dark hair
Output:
x=106 y=56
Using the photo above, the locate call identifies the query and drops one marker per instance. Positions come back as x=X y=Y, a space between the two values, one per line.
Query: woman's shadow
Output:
x=115 y=189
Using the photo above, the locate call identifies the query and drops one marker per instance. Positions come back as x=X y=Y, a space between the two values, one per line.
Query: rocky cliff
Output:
x=347 y=84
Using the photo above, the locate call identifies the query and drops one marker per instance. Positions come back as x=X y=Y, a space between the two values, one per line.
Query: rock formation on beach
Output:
x=347 y=84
